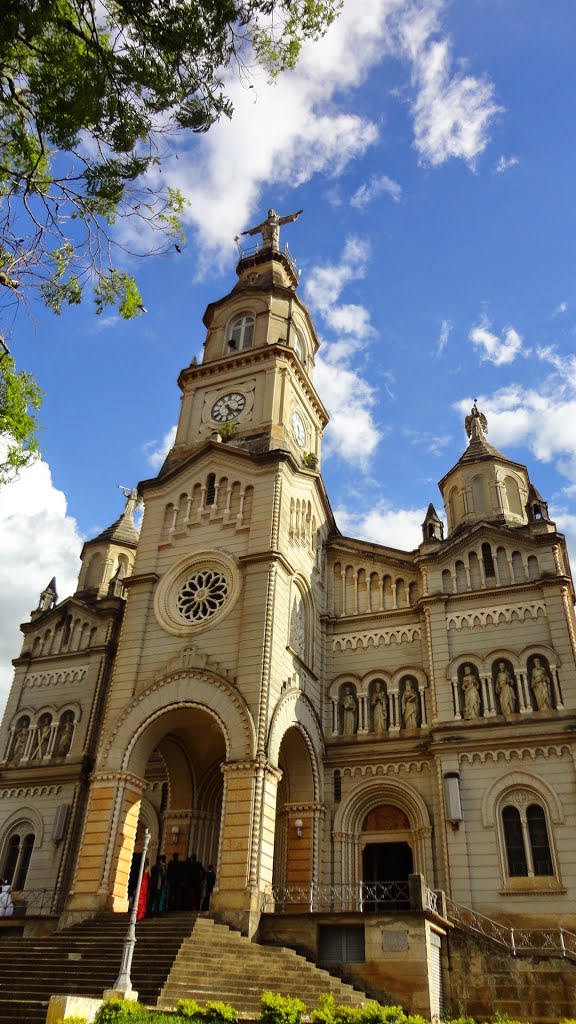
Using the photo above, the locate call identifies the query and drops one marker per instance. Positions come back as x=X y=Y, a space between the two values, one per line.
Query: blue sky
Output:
x=432 y=148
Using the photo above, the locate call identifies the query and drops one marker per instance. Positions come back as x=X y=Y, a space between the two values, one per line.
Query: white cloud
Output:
x=452 y=111
x=38 y=540
x=505 y=163
x=542 y=420
x=156 y=451
x=348 y=397
x=378 y=185
x=283 y=134
x=445 y=328
x=499 y=351
x=434 y=444
x=561 y=308
x=383 y=524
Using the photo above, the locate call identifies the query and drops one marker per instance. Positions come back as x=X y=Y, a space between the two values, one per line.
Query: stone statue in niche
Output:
x=410 y=706
x=378 y=705
x=298 y=626
x=42 y=737
x=349 y=706
x=540 y=685
x=505 y=690
x=471 y=691
x=65 y=733
x=20 y=739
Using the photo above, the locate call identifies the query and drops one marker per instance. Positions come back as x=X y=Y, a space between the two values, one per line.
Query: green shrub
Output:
x=189 y=1009
x=73 y=1020
x=325 y=1011
x=121 y=1011
x=220 y=1013
x=277 y=1009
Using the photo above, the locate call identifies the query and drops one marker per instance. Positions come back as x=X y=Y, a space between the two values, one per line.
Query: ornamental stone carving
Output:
x=197 y=592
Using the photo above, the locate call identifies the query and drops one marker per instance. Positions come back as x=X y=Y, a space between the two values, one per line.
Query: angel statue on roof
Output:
x=476 y=423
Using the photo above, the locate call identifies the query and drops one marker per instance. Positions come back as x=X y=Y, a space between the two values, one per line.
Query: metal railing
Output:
x=518 y=941
x=246 y=251
x=359 y=896
x=33 y=902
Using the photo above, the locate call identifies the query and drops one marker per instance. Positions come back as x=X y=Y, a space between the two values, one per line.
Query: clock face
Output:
x=228 y=407
x=298 y=429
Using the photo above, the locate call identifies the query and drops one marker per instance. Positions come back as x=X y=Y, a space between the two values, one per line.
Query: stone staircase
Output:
x=178 y=955
x=216 y=962
x=84 y=960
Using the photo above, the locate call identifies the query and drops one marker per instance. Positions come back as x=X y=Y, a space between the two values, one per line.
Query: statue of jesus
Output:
x=270 y=228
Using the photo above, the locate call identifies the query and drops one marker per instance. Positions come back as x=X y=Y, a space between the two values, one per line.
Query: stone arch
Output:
x=366 y=796
x=294 y=709
x=351 y=814
x=504 y=654
x=210 y=693
x=346 y=677
x=540 y=649
x=463 y=659
x=370 y=677
x=24 y=815
x=519 y=780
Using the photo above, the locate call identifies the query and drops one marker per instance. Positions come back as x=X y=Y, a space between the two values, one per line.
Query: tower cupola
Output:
x=110 y=556
x=484 y=485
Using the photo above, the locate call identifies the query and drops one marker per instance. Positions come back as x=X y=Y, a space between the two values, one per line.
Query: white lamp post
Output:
x=123 y=985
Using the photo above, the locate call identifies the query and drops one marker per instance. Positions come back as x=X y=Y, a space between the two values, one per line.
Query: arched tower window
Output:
x=211 y=489
x=241 y=333
x=479 y=496
x=513 y=496
x=488 y=561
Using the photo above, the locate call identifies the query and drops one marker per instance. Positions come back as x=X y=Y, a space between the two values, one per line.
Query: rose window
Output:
x=202 y=595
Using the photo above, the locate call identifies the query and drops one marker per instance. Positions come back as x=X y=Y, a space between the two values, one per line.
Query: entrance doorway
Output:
x=385 y=871
x=387 y=862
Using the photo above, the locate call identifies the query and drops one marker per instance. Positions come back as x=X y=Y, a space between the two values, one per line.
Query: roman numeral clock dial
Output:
x=228 y=407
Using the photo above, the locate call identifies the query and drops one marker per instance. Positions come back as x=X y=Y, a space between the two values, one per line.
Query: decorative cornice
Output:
x=56 y=677
x=351 y=641
x=250 y=769
x=143 y=577
x=391 y=768
x=493 y=616
x=515 y=754
x=134 y=781
x=29 y=791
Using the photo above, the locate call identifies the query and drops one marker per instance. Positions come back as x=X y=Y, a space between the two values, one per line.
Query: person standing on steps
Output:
x=6 y=901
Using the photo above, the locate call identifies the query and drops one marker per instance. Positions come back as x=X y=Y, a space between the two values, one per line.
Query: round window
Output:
x=197 y=592
x=202 y=595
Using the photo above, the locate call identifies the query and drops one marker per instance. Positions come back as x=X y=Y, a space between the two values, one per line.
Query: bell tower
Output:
x=254 y=387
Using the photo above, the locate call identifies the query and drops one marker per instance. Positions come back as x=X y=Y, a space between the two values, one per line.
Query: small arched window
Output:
x=299 y=347
x=488 y=562
x=211 y=489
x=17 y=857
x=241 y=333
x=513 y=496
x=527 y=843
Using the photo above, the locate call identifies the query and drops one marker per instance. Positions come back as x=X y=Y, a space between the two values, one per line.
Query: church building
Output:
x=322 y=718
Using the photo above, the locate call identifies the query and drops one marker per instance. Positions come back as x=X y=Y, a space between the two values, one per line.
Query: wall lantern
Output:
x=299 y=826
x=175 y=833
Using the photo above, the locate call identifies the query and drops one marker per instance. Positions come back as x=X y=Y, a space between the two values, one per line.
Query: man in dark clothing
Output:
x=196 y=876
x=207 y=886
x=174 y=877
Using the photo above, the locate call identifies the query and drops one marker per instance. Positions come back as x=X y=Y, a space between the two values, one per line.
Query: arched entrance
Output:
x=182 y=802
x=296 y=813
x=387 y=857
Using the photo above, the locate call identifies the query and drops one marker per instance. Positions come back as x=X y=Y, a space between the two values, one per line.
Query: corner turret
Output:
x=484 y=485
x=109 y=558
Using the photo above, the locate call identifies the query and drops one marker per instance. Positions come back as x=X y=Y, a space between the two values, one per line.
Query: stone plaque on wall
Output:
x=394 y=942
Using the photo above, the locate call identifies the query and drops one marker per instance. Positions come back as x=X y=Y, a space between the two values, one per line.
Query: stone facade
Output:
x=295 y=706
